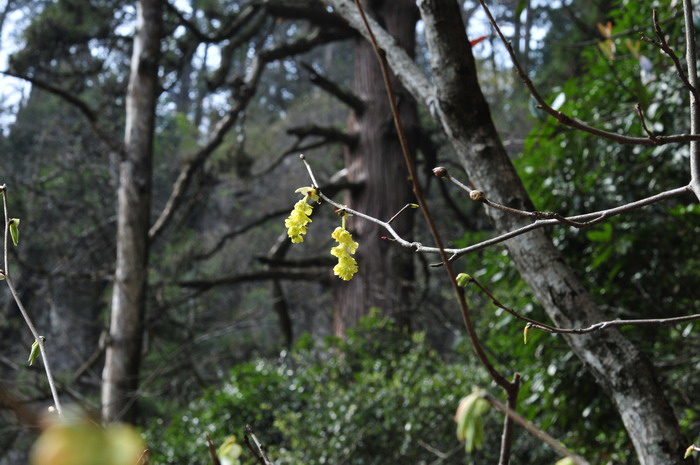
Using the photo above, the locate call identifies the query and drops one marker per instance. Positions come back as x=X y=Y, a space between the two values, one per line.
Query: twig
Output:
x=594 y=327
x=643 y=120
x=534 y=430
x=573 y=122
x=510 y=387
x=583 y=220
x=662 y=44
x=257 y=449
x=690 y=58
x=212 y=451
x=403 y=209
x=37 y=337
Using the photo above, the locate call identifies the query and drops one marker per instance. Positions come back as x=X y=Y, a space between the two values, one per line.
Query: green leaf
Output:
x=14 y=230
x=34 y=353
x=566 y=461
x=601 y=235
x=519 y=9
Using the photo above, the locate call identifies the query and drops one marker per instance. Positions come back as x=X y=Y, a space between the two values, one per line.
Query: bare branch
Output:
x=594 y=327
x=266 y=275
x=584 y=220
x=237 y=22
x=238 y=231
x=662 y=44
x=534 y=430
x=76 y=102
x=40 y=340
x=327 y=132
x=336 y=90
x=255 y=447
x=247 y=91
x=690 y=58
x=573 y=122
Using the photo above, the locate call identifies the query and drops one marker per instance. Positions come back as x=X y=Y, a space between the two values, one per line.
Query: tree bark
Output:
x=618 y=366
x=120 y=377
x=456 y=101
x=376 y=163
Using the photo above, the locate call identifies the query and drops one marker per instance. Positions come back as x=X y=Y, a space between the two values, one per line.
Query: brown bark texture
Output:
x=120 y=377
x=375 y=164
x=454 y=98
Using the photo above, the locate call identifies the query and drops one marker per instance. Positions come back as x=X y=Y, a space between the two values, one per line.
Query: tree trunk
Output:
x=618 y=366
x=376 y=164
x=120 y=377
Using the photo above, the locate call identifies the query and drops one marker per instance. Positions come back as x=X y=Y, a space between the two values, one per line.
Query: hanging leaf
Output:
x=14 y=230
x=34 y=353
x=519 y=9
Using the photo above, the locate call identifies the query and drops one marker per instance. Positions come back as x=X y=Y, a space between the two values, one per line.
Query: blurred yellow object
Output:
x=86 y=443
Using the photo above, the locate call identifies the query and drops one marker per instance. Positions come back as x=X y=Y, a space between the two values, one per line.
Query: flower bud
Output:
x=440 y=172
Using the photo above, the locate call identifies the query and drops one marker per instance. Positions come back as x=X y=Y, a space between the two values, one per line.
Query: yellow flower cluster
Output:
x=347 y=266
x=298 y=220
x=296 y=229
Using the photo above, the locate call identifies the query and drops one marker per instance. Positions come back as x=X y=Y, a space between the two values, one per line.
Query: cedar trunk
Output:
x=120 y=378
x=375 y=163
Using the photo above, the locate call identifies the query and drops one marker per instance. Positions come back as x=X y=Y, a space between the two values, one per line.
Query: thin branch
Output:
x=643 y=120
x=403 y=209
x=246 y=93
x=662 y=44
x=82 y=106
x=328 y=133
x=584 y=220
x=238 y=231
x=594 y=327
x=37 y=337
x=236 y=24
x=341 y=93
x=255 y=447
x=690 y=58
x=296 y=147
x=534 y=430
x=417 y=190
x=266 y=275
x=573 y=122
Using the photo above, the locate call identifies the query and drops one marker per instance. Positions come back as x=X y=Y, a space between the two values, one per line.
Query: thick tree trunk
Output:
x=123 y=356
x=455 y=100
x=376 y=163
x=618 y=366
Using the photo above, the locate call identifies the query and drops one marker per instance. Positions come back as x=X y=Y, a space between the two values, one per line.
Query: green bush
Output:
x=378 y=396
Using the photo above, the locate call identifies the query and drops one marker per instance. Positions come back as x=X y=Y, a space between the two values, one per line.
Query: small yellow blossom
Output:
x=347 y=266
x=298 y=220
x=310 y=192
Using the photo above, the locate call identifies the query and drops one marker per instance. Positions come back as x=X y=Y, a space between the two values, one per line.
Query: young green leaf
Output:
x=34 y=353
x=689 y=451
x=14 y=230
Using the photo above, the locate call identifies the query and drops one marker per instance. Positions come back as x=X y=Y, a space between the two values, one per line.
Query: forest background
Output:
x=175 y=150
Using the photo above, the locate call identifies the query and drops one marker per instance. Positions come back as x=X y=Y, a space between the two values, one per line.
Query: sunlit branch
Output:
x=255 y=447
